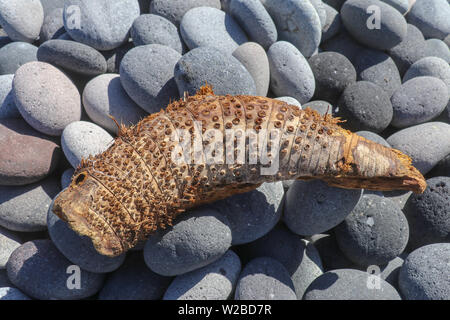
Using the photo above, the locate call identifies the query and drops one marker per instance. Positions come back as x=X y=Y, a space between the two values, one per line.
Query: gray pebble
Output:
x=197 y=239
x=429 y=66
x=336 y=4
x=8 y=108
x=66 y=177
x=104 y=96
x=8 y=293
x=223 y=72
x=401 y=5
x=350 y=284
x=432 y=17
x=344 y=44
x=101 y=24
x=390 y=271
x=16 y=54
x=9 y=241
x=291 y=101
x=373 y=137
x=24 y=208
x=81 y=139
x=50 y=5
x=53 y=26
x=425 y=143
x=216 y=281
x=424 y=274
x=442 y=168
x=114 y=57
x=332 y=24
x=331 y=255
x=147 y=75
x=437 y=48
x=321 y=11
x=174 y=10
x=398 y=196
x=264 y=279
x=210 y=27
x=39 y=270
x=290 y=73
x=322 y=107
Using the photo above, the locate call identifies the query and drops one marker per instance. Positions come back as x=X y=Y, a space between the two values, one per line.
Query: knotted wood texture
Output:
x=204 y=148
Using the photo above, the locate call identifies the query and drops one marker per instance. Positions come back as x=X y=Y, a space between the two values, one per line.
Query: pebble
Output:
x=322 y=107
x=297 y=22
x=134 y=281
x=50 y=5
x=432 y=17
x=53 y=26
x=336 y=4
x=291 y=101
x=104 y=96
x=151 y=28
x=298 y=256
x=365 y=106
x=46 y=98
x=8 y=109
x=174 y=10
x=344 y=44
x=39 y=270
x=321 y=11
x=379 y=68
x=427 y=213
x=349 y=284
x=375 y=232
x=24 y=208
x=223 y=72
x=197 y=239
x=21 y=19
x=9 y=293
x=254 y=58
x=210 y=27
x=363 y=25
x=426 y=144
x=419 y=100
x=390 y=271
x=369 y=135
x=216 y=281
x=333 y=72
x=312 y=207
x=81 y=139
x=398 y=196
x=290 y=73
x=331 y=256
x=442 y=168
x=114 y=57
x=16 y=54
x=402 y=6
x=27 y=155
x=252 y=214
x=9 y=241
x=147 y=75
x=333 y=23
x=264 y=279
x=105 y=23
x=255 y=20
x=429 y=66
x=424 y=274
x=437 y=48
x=66 y=177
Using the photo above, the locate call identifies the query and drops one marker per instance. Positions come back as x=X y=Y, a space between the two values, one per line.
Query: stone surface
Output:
x=290 y=100
x=429 y=66
x=401 y=5
x=16 y=54
x=330 y=254
x=53 y=26
x=8 y=109
x=373 y=137
x=437 y=48
x=390 y=271
x=66 y=177
x=114 y=57
x=9 y=241
x=344 y=44
x=50 y=5
x=174 y=10
x=432 y=17
x=9 y=293
x=333 y=23
x=322 y=107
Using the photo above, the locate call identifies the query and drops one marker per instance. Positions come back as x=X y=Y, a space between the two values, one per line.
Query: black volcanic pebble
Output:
x=428 y=213
x=333 y=72
x=365 y=106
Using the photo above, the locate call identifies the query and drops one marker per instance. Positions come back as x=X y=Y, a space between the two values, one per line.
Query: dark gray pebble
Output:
x=16 y=54
x=53 y=26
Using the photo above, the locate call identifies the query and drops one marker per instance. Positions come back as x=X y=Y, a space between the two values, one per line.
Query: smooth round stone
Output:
x=349 y=284
x=252 y=214
x=21 y=19
x=365 y=106
x=313 y=207
x=426 y=144
x=66 y=177
x=39 y=270
x=437 y=48
x=418 y=100
x=401 y=5
x=332 y=257
x=210 y=27
x=197 y=239
x=104 y=96
x=264 y=279
x=79 y=250
x=254 y=58
x=297 y=22
x=429 y=66
x=24 y=208
x=209 y=65
x=379 y=68
x=46 y=98
x=147 y=75
x=427 y=213
x=255 y=20
x=291 y=101
x=375 y=232
x=174 y=10
x=27 y=155
x=319 y=6
x=333 y=72
x=50 y=5
x=215 y=281
x=9 y=241
x=8 y=109
x=114 y=57
x=373 y=137
x=134 y=281
x=81 y=139
x=72 y=56
x=8 y=293
x=432 y=17
x=101 y=24
x=424 y=274
x=322 y=107
x=362 y=26
x=53 y=26
x=332 y=24
x=151 y=28
x=298 y=256
x=290 y=73
x=16 y=54
x=344 y=44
